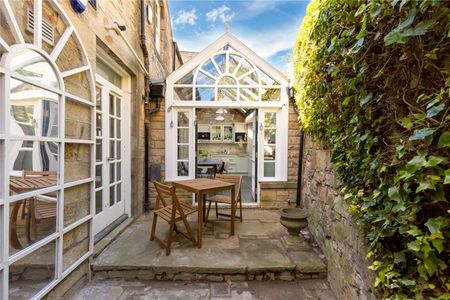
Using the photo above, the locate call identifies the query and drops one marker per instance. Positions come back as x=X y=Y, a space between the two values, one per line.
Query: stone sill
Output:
x=278 y=185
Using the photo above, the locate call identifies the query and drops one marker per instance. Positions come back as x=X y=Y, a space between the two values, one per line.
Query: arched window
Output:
x=227 y=76
x=47 y=126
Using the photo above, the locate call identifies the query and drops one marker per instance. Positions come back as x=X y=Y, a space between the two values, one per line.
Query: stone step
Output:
x=267 y=262
x=258 y=251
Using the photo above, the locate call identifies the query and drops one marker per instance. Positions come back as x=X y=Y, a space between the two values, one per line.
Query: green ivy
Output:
x=372 y=79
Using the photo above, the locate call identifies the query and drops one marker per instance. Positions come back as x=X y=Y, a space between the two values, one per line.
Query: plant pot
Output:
x=294 y=219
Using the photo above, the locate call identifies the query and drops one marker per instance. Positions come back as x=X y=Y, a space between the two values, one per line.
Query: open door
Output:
x=254 y=156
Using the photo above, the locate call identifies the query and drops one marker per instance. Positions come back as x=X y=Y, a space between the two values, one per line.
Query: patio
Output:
x=259 y=250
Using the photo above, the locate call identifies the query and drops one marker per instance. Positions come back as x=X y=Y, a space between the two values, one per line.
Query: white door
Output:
x=253 y=155
x=109 y=166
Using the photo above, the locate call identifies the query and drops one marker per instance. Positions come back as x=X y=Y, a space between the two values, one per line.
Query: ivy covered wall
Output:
x=372 y=80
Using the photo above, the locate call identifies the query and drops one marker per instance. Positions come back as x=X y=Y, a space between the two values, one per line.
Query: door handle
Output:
x=110 y=158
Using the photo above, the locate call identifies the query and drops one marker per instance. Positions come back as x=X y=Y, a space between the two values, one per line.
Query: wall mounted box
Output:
x=157 y=88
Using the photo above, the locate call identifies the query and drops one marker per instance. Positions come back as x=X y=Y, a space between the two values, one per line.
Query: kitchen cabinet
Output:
x=239 y=127
x=237 y=163
x=222 y=133
x=228 y=133
x=203 y=128
x=216 y=133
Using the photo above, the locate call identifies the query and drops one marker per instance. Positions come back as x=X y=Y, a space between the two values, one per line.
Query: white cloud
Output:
x=186 y=17
x=255 y=8
x=265 y=43
x=223 y=13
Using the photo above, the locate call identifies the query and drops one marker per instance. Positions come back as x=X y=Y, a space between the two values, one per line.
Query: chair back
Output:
x=236 y=179
x=28 y=173
x=221 y=168
x=166 y=192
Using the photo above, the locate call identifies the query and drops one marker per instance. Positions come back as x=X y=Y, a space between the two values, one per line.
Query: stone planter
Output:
x=294 y=219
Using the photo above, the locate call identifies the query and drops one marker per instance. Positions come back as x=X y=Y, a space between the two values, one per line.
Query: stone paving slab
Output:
x=265 y=255
x=307 y=262
x=205 y=260
x=163 y=290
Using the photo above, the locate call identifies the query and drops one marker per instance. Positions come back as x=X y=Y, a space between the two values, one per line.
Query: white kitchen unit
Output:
x=237 y=163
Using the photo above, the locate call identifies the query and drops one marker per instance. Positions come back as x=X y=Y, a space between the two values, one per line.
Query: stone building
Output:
x=72 y=130
x=84 y=129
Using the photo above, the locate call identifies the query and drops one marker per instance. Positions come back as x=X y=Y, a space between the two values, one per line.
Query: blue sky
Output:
x=268 y=27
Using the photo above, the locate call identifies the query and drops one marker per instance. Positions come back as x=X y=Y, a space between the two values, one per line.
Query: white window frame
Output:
x=281 y=107
x=172 y=143
x=5 y=140
x=281 y=143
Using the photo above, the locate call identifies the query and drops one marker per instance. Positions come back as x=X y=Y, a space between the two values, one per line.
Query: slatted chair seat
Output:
x=220 y=198
x=171 y=213
x=166 y=212
x=44 y=210
x=40 y=208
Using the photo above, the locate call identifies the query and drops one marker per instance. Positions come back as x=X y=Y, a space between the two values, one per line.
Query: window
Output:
x=46 y=143
x=158 y=26
x=227 y=76
x=270 y=143
x=183 y=120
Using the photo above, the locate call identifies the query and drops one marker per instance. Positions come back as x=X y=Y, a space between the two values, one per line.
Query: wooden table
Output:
x=20 y=185
x=202 y=187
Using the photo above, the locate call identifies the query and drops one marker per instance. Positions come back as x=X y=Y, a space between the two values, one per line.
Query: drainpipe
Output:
x=298 y=200
x=148 y=111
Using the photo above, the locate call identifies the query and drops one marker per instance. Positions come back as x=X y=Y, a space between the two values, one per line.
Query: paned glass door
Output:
x=109 y=204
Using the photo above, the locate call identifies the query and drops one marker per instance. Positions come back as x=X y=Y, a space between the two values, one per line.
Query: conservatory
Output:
x=228 y=108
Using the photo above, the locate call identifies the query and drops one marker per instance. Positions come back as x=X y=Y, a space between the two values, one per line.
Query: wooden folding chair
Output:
x=27 y=174
x=237 y=180
x=171 y=213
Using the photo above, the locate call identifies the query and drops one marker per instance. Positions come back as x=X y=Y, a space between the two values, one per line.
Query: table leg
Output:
x=204 y=208
x=233 y=208
x=200 y=220
x=13 y=226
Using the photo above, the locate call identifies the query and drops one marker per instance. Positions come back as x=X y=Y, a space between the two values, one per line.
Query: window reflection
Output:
x=32 y=65
x=34 y=111
x=30 y=274
x=182 y=93
x=271 y=95
x=31 y=220
x=183 y=168
x=227 y=94
x=34 y=165
x=204 y=94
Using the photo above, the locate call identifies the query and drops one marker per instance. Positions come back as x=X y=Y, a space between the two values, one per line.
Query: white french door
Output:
x=253 y=155
x=110 y=154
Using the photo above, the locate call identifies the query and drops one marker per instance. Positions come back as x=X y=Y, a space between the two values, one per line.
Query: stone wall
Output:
x=333 y=228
